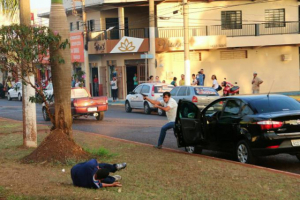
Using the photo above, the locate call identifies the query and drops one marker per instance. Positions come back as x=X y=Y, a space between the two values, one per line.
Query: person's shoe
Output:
x=117 y=178
x=157 y=146
x=121 y=166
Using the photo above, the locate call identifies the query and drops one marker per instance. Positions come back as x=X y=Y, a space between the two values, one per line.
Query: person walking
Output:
x=256 y=82
x=135 y=81
x=168 y=105
x=215 y=84
x=182 y=81
x=194 y=80
x=114 y=88
x=174 y=82
x=96 y=86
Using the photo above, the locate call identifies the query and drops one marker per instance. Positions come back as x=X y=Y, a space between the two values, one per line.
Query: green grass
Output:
x=101 y=152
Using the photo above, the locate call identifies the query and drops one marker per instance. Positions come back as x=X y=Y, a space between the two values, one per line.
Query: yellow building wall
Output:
x=201 y=13
x=266 y=61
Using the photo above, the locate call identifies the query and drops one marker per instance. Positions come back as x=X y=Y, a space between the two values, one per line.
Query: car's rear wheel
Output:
x=243 y=153
x=45 y=115
x=161 y=112
x=8 y=97
x=147 y=109
x=19 y=97
x=128 y=107
x=193 y=149
x=100 y=116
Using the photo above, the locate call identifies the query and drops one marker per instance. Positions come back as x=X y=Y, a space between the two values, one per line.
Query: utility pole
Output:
x=152 y=51
x=29 y=109
x=187 y=67
x=86 y=54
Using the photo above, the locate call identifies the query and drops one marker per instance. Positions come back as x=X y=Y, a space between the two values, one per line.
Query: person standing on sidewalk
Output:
x=168 y=105
x=182 y=81
x=114 y=88
x=256 y=82
x=194 y=80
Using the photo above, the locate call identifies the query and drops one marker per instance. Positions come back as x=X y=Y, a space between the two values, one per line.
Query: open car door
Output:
x=188 y=129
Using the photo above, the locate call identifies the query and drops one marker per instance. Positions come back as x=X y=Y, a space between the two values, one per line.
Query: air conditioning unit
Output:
x=286 y=57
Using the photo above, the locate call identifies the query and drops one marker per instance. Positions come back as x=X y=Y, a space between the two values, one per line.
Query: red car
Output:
x=82 y=104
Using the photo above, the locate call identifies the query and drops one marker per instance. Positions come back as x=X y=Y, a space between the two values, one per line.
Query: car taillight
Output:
x=266 y=125
x=273 y=147
x=194 y=99
x=152 y=92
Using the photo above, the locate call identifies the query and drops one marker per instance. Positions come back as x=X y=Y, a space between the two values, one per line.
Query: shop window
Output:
x=275 y=18
x=231 y=19
x=229 y=55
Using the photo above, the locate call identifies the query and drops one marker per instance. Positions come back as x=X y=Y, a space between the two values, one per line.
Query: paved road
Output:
x=139 y=127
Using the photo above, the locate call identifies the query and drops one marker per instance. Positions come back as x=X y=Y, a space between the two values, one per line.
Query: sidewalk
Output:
x=118 y=102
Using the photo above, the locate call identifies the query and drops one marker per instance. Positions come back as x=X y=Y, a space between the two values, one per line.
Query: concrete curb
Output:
x=182 y=152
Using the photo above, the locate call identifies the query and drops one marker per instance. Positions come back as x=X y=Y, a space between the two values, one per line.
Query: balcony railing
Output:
x=275 y=28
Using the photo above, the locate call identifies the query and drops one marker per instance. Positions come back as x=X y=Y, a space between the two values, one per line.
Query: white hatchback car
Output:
x=15 y=92
x=135 y=100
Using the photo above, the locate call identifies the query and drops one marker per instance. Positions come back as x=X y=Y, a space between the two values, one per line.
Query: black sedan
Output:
x=247 y=126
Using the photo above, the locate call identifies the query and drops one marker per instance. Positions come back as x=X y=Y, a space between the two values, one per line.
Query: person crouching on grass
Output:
x=91 y=174
x=168 y=105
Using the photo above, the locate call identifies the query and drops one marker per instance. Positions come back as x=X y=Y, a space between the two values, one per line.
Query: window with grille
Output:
x=275 y=18
x=91 y=25
x=231 y=19
x=71 y=26
x=78 y=26
x=230 y=55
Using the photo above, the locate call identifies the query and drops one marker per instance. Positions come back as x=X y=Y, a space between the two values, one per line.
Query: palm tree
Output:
x=61 y=72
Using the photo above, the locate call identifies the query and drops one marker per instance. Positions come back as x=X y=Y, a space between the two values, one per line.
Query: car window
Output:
x=146 y=89
x=188 y=110
x=79 y=93
x=214 y=108
x=174 y=91
x=162 y=88
x=137 y=90
x=182 y=91
x=274 y=104
x=232 y=108
x=188 y=93
x=246 y=110
x=205 y=91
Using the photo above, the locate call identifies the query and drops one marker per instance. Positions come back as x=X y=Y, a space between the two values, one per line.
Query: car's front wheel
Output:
x=128 y=107
x=193 y=149
x=100 y=116
x=147 y=109
x=161 y=112
x=243 y=152
x=8 y=97
x=19 y=97
x=45 y=115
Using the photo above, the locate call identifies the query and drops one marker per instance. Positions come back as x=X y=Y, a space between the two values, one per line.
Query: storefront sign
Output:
x=196 y=43
x=97 y=47
x=77 y=49
x=128 y=45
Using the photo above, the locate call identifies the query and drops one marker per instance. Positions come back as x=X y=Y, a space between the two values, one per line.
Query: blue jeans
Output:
x=163 y=132
x=110 y=168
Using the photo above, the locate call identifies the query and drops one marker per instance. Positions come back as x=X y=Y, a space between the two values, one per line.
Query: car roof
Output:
x=155 y=84
x=250 y=98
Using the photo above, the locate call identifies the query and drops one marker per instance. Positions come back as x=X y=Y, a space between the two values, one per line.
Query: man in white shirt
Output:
x=168 y=105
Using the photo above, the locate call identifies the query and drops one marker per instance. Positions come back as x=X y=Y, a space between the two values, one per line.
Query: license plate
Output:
x=92 y=109
x=295 y=143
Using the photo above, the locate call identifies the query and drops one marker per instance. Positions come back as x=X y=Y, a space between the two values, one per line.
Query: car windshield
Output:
x=205 y=91
x=79 y=93
x=274 y=104
x=162 y=88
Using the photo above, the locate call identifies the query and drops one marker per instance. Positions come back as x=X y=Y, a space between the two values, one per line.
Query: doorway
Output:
x=130 y=71
x=95 y=81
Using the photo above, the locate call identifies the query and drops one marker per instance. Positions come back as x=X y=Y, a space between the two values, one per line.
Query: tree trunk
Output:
x=61 y=72
x=29 y=109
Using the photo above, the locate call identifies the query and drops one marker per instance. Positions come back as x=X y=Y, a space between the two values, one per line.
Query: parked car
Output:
x=201 y=96
x=82 y=104
x=247 y=126
x=2 y=91
x=135 y=100
x=15 y=92
x=48 y=91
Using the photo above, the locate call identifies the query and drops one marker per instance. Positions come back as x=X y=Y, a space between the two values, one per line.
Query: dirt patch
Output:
x=57 y=146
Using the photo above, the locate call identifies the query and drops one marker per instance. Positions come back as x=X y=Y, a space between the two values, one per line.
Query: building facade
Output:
x=229 y=39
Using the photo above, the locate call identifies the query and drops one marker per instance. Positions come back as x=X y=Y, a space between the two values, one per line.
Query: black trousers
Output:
x=114 y=93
